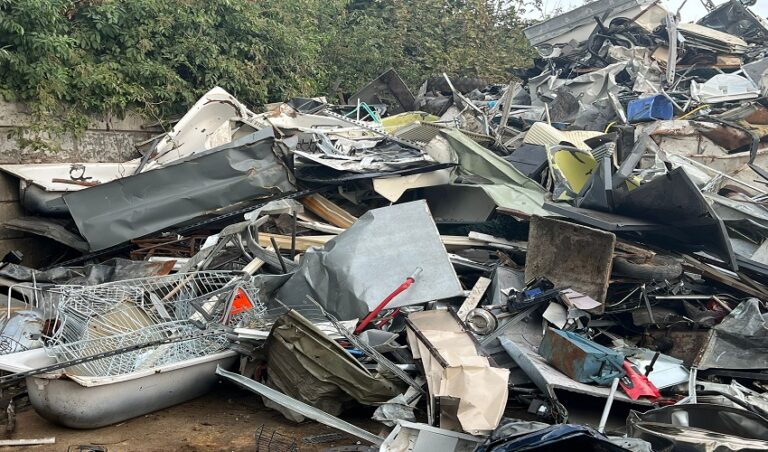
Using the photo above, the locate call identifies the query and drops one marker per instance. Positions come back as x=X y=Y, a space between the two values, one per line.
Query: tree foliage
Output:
x=69 y=58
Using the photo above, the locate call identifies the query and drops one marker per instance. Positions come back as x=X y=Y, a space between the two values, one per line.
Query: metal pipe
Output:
x=279 y=256
x=608 y=404
x=293 y=234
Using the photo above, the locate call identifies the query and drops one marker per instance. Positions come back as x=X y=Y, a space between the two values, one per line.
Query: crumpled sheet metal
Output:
x=246 y=169
x=362 y=157
x=724 y=88
x=699 y=36
x=501 y=181
x=695 y=137
x=587 y=88
x=643 y=69
x=355 y=271
x=206 y=125
x=481 y=390
x=307 y=365
x=747 y=397
x=701 y=428
x=579 y=23
x=735 y=18
x=289 y=124
x=50 y=228
x=544 y=134
x=111 y=270
x=740 y=341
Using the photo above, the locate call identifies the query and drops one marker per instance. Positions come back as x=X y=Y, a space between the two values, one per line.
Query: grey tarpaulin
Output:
x=134 y=206
x=353 y=272
x=740 y=341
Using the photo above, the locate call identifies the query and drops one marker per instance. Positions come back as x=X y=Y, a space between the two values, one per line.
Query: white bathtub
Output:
x=91 y=402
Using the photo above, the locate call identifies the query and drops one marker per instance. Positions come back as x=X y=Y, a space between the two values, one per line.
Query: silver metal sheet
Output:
x=355 y=271
x=300 y=407
x=134 y=206
x=580 y=22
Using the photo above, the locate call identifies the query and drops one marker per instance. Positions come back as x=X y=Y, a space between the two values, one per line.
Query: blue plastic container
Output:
x=654 y=108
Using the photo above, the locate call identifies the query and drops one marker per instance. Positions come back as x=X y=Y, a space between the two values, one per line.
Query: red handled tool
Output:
x=403 y=287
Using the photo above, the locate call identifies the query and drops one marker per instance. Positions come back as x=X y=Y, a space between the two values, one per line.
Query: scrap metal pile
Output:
x=578 y=258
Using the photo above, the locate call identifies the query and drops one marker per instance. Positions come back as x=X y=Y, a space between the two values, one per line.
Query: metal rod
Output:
x=432 y=349
x=279 y=256
x=649 y=367
x=300 y=407
x=608 y=404
x=293 y=234
x=367 y=349
x=692 y=384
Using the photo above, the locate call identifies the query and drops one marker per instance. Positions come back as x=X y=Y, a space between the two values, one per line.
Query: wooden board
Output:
x=328 y=211
x=570 y=255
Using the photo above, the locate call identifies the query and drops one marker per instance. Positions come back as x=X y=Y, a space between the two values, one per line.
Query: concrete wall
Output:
x=105 y=140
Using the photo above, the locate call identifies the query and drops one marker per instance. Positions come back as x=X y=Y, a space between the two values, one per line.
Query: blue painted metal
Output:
x=581 y=359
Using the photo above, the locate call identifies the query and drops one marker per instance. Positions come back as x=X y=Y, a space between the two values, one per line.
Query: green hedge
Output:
x=67 y=59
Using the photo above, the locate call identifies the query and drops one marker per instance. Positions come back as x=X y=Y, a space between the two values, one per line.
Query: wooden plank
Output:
x=712 y=273
x=27 y=442
x=328 y=211
x=320 y=227
x=474 y=297
x=570 y=255
x=752 y=283
x=304 y=242
x=634 y=250
x=491 y=240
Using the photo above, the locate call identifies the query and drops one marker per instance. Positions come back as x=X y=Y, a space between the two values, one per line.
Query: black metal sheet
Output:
x=138 y=205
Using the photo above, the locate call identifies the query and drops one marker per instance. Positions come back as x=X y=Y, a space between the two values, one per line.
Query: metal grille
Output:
x=112 y=316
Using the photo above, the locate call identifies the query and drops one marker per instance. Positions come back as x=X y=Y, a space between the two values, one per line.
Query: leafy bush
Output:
x=66 y=59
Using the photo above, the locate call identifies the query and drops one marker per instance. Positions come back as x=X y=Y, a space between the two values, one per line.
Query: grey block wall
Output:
x=105 y=140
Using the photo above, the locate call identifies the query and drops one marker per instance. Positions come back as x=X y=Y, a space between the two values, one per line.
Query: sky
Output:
x=691 y=12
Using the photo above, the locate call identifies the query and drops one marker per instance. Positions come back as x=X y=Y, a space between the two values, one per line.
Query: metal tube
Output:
x=692 y=385
x=293 y=235
x=608 y=404
x=279 y=256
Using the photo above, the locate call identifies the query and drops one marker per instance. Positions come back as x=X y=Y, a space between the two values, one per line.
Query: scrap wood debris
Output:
x=595 y=230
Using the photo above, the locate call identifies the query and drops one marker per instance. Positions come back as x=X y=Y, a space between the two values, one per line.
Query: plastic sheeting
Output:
x=740 y=341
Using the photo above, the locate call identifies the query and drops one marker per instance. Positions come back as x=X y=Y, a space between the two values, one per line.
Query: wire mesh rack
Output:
x=270 y=440
x=107 y=317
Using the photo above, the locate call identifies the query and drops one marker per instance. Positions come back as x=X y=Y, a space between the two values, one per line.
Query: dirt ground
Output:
x=226 y=419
